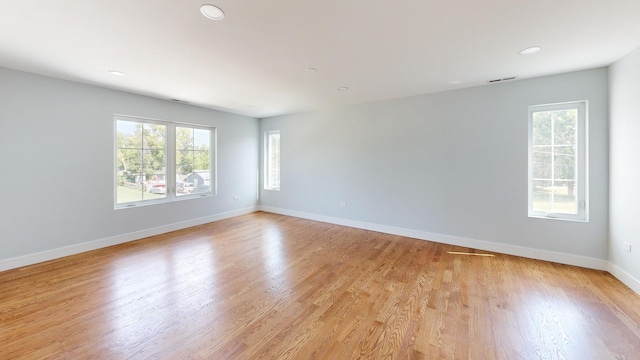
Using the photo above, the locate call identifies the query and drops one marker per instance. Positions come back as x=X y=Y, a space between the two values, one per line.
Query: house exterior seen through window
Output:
x=158 y=161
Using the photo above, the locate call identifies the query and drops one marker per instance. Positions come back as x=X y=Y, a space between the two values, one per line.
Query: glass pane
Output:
x=274 y=161
x=564 y=197
x=184 y=138
x=156 y=185
x=541 y=128
x=153 y=161
x=201 y=181
x=554 y=161
x=129 y=134
x=128 y=192
x=542 y=195
x=542 y=162
x=184 y=163
x=153 y=136
x=201 y=160
x=130 y=179
x=564 y=163
x=201 y=139
x=564 y=127
x=193 y=161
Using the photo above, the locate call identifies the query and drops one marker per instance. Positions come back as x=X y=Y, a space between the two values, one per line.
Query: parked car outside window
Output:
x=159 y=188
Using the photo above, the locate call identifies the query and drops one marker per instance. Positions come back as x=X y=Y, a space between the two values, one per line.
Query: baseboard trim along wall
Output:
x=569 y=259
x=624 y=277
x=43 y=256
x=562 y=258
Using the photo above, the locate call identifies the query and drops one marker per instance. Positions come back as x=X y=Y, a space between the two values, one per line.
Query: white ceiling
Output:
x=253 y=62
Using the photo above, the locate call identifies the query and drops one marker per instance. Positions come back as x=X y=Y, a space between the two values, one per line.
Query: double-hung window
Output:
x=558 y=161
x=159 y=161
x=272 y=160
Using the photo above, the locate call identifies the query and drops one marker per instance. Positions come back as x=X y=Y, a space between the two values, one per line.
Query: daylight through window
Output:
x=159 y=161
x=557 y=161
x=272 y=160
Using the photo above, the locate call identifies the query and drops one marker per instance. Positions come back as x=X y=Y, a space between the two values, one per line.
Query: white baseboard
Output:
x=563 y=258
x=42 y=256
x=624 y=277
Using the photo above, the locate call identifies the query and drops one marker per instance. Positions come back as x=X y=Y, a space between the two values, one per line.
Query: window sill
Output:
x=558 y=217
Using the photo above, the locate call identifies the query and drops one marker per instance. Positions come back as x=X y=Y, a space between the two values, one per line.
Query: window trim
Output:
x=267 y=149
x=170 y=161
x=582 y=161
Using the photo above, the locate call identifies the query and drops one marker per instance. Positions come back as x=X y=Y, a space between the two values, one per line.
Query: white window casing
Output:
x=161 y=161
x=272 y=160
x=558 y=158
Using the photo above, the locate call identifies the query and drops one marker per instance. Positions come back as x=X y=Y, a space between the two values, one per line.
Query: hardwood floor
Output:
x=264 y=286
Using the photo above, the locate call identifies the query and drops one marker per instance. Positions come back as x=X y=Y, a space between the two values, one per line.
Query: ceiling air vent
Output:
x=500 y=80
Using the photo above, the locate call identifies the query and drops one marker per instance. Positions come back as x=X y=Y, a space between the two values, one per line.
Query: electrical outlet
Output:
x=343 y=204
x=236 y=197
x=627 y=246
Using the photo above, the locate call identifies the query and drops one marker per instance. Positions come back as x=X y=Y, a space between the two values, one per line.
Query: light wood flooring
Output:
x=265 y=286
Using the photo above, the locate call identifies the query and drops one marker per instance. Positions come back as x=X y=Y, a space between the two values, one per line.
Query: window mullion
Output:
x=553 y=164
x=171 y=161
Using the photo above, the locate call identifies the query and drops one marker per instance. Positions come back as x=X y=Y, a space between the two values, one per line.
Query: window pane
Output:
x=564 y=199
x=184 y=138
x=142 y=169
x=272 y=176
x=202 y=160
x=564 y=124
x=542 y=162
x=201 y=139
x=130 y=184
x=141 y=163
x=542 y=195
x=564 y=163
x=556 y=155
x=193 y=161
x=542 y=128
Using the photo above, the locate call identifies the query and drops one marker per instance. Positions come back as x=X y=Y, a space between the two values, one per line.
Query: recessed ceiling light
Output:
x=343 y=88
x=455 y=82
x=530 y=50
x=212 y=12
x=116 y=72
x=311 y=70
x=251 y=106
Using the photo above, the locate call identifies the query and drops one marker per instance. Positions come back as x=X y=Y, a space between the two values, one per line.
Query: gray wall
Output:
x=624 y=161
x=452 y=163
x=57 y=156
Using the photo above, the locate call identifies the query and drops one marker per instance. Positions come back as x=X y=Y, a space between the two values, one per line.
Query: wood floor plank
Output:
x=265 y=286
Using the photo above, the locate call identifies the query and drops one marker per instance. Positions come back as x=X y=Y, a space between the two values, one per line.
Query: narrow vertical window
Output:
x=272 y=160
x=557 y=161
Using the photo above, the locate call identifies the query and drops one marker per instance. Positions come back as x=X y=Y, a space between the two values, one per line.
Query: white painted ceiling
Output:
x=253 y=62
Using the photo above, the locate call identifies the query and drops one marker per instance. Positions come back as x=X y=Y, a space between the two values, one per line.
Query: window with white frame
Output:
x=272 y=160
x=159 y=161
x=193 y=160
x=558 y=161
